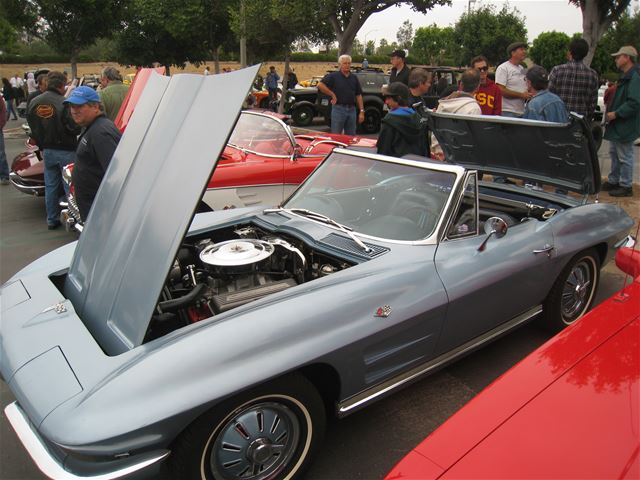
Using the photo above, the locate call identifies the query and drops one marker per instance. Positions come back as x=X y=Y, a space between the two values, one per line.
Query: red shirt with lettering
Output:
x=489 y=97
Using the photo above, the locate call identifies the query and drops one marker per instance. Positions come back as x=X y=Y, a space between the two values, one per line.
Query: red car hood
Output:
x=133 y=95
x=568 y=410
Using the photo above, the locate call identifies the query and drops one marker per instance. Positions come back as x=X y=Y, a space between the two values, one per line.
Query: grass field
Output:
x=303 y=70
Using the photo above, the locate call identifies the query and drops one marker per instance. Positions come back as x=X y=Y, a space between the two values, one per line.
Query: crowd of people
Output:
x=75 y=124
x=68 y=123
x=517 y=92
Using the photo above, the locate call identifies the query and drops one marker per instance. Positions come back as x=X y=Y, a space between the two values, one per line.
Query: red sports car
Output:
x=569 y=410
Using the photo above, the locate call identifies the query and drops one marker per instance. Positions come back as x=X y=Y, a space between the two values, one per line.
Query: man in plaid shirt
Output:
x=574 y=82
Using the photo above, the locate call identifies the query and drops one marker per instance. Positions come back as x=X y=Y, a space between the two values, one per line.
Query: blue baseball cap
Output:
x=82 y=95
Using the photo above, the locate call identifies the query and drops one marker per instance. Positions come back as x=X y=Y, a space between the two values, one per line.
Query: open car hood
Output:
x=562 y=155
x=147 y=200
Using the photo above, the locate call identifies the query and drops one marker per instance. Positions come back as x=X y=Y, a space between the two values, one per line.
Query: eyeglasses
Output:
x=483 y=69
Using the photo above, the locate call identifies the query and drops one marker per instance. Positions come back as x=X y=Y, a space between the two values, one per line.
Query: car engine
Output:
x=215 y=274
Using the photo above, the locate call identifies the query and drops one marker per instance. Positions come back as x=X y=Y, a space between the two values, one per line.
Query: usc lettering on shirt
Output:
x=485 y=99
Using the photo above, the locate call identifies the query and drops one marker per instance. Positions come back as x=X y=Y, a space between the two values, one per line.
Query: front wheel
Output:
x=267 y=433
x=573 y=292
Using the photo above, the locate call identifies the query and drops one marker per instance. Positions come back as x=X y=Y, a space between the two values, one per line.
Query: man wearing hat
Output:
x=623 y=124
x=510 y=78
x=401 y=131
x=55 y=134
x=544 y=105
x=399 y=70
x=96 y=144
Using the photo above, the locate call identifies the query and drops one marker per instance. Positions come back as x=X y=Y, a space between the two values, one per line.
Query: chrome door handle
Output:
x=546 y=249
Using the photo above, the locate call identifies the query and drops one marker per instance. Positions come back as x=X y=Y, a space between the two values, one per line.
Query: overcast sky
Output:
x=540 y=16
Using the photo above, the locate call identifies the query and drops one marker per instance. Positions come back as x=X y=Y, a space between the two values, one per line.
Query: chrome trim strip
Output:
x=361 y=399
x=47 y=464
x=252 y=186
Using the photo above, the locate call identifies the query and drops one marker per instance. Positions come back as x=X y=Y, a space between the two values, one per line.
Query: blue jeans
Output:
x=11 y=108
x=343 y=117
x=621 y=164
x=54 y=162
x=4 y=166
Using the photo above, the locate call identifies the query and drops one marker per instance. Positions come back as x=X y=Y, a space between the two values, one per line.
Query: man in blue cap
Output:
x=96 y=144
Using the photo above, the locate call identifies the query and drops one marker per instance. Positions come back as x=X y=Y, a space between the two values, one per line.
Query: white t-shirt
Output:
x=512 y=77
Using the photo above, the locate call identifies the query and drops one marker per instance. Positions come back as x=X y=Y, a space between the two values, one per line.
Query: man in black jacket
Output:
x=402 y=131
x=55 y=134
x=96 y=145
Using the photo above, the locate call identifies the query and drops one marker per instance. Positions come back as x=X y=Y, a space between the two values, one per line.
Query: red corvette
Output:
x=571 y=409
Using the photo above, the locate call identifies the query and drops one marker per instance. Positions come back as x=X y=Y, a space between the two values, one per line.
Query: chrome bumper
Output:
x=50 y=466
x=26 y=187
x=70 y=215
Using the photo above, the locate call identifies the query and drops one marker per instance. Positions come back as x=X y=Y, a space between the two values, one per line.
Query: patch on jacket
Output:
x=45 y=111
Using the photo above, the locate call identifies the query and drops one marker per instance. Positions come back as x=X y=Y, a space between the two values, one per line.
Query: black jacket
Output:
x=50 y=122
x=402 y=132
x=96 y=146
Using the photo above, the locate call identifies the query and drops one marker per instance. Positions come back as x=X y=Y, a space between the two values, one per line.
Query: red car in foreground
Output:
x=569 y=410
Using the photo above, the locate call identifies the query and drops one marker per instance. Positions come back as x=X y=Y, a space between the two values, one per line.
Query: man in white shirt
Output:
x=510 y=78
x=16 y=81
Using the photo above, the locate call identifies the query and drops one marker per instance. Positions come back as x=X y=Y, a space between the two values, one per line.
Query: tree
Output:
x=485 y=32
x=152 y=34
x=597 y=17
x=624 y=31
x=433 y=44
x=405 y=35
x=346 y=17
x=275 y=25
x=370 y=48
x=66 y=25
x=357 y=48
x=385 y=48
x=550 y=49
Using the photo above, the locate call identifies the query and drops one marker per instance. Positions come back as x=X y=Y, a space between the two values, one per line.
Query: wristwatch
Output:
x=362 y=110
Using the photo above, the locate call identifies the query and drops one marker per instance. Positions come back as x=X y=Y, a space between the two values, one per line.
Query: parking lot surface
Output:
x=364 y=445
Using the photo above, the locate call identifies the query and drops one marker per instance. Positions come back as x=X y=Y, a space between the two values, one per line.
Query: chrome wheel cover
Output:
x=257 y=442
x=578 y=290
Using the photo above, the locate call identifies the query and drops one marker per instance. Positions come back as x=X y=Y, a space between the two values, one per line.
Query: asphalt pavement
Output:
x=364 y=445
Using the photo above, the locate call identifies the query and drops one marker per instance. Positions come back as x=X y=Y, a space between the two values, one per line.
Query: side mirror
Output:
x=297 y=151
x=493 y=226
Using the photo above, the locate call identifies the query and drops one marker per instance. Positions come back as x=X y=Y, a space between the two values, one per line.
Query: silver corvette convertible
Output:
x=214 y=346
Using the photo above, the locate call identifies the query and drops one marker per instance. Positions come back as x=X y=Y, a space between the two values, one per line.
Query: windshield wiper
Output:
x=236 y=147
x=322 y=218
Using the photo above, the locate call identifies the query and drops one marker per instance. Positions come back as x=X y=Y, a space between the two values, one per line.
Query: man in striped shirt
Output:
x=574 y=82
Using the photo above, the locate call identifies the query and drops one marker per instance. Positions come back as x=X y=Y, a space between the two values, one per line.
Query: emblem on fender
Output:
x=58 y=308
x=383 y=312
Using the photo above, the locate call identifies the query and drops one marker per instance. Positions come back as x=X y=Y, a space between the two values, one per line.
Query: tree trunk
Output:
x=216 y=60
x=285 y=81
x=596 y=19
x=74 y=63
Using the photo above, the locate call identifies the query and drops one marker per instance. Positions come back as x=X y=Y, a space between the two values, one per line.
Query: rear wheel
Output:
x=573 y=292
x=302 y=116
x=267 y=433
x=372 y=120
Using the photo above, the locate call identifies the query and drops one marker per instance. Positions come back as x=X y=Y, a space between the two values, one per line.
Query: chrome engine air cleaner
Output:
x=236 y=252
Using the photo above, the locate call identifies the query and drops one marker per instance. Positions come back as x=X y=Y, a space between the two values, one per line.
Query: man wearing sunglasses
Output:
x=488 y=94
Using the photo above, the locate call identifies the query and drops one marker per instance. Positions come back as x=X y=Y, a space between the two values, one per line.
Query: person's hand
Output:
x=611 y=116
x=334 y=99
x=361 y=117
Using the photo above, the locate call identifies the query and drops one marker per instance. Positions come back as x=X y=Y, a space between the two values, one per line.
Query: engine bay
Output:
x=228 y=268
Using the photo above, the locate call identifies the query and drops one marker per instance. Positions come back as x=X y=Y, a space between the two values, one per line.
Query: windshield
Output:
x=261 y=134
x=377 y=198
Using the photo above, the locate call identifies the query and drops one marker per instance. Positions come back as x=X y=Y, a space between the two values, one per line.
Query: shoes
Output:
x=607 y=187
x=4 y=181
x=621 y=192
x=53 y=226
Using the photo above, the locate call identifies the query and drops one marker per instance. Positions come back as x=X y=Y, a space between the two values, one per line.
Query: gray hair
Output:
x=343 y=58
x=111 y=74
